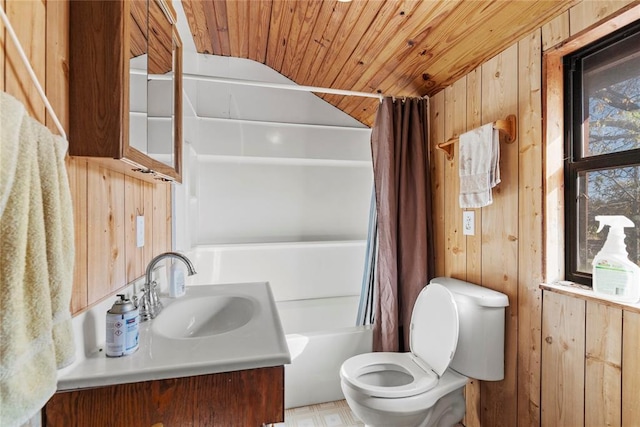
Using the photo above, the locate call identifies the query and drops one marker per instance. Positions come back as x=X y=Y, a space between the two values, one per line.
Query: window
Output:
x=602 y=146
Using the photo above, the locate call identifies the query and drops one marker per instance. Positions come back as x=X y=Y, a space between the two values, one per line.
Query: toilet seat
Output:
x=433 y=340
x=355 y=368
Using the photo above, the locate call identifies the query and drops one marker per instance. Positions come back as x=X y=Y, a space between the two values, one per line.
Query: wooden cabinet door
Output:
x=244 y=398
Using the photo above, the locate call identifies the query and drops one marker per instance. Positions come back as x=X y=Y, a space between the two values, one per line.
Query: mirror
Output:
x=162 y=85
x=138 y=59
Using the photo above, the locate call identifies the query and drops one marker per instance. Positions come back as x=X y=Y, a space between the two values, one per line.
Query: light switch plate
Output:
x=140 y=231
x=468 y=223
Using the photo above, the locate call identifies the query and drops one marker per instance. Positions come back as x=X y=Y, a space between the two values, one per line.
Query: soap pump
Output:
x=614 y=275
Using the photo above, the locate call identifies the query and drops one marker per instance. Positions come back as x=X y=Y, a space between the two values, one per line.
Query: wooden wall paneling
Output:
x=106 y=231
x=28 y=19
x=138 y=28
x=630 y=369
x=530 y=213
x=219 y=31
x=98 y=194
x=388 y=64
x=451 y=36
x=57 y=62
x=133 y=206
x=238 y=22
x=77 y=172
x=603 y=365
x=474 y=120
x=553 y=168
x=260 y=13
x=474 y=243
x=563 y=358
x=158 y=43
x=167 y=226
x=220 y=16
x=204 y=34
x=281 y=15
x=438 y=183
x=294 y=50
x=161 y=218
x=346 y=42
x=335 y=36
x=373 y=41
x=329 y=19
x=367 y=51
x=555 y=31
x=147 y=211
x=586 y=13
x=500 y=233
x=455 y=105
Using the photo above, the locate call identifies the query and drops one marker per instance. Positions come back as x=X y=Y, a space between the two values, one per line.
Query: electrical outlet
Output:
x=140 y=231
x=468 y=223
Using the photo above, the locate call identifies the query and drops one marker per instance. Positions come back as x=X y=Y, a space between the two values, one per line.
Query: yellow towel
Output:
x=36 y=264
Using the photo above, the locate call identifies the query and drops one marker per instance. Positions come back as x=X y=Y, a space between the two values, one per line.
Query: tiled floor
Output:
x=332 y=414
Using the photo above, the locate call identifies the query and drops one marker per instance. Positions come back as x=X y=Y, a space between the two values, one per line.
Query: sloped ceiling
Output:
x=394 y=47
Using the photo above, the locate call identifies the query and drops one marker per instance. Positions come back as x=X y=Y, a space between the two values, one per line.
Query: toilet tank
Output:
x=481 y=312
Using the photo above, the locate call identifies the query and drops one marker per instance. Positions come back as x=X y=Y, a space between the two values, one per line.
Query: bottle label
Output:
x=132 y=336
x=613 y=278
x=122 y=333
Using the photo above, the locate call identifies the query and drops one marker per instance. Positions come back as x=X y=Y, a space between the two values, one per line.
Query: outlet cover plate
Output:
x=140 y=231
x=468 y=223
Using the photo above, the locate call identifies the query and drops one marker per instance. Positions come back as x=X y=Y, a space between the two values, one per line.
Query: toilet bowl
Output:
x=424 y=386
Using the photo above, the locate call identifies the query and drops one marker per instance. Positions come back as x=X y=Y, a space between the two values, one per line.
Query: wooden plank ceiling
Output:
x=395 y=47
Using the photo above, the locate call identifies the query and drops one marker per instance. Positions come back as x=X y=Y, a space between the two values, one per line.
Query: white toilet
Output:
x=457 y=333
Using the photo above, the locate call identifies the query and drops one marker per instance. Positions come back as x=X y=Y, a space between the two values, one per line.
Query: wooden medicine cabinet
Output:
x=125 y=87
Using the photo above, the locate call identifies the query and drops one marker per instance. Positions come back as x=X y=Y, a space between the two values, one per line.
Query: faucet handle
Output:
x=146 y=311
x=155 y=298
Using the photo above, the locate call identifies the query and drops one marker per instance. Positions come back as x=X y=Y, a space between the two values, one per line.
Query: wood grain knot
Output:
x=549 y=340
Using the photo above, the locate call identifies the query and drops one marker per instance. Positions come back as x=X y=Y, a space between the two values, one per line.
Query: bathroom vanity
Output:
x=245 y=398
x=214 y=357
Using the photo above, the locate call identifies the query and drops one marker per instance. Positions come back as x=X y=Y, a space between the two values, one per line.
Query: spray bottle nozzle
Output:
x=613 y=221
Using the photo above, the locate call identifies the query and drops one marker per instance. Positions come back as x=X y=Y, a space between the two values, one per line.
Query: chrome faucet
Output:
x=150 y=305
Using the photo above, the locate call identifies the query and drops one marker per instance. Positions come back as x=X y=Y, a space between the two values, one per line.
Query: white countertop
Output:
x=258 y=344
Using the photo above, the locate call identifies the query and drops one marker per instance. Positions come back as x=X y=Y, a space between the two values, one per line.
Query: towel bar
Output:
x=508 y=126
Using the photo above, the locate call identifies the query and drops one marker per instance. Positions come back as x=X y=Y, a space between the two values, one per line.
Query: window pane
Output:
x=611 y=110
x=614 y=191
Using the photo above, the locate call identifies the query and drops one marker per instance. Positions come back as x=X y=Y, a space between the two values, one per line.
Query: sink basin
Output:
x=204 y=316
x=213 y=328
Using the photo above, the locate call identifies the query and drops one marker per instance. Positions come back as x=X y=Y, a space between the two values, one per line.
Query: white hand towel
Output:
x=479 y=166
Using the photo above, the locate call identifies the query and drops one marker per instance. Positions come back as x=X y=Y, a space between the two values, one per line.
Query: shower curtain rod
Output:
x=228 y=80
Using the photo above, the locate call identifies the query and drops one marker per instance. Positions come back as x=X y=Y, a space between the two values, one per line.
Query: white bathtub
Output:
x=316 y=286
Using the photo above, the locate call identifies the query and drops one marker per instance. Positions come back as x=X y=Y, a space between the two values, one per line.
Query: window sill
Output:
x=579 y=291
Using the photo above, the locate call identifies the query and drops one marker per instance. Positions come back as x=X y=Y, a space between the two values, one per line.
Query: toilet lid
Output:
x=434 y=328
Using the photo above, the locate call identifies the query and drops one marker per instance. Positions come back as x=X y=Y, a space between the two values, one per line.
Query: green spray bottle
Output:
x=614 y=275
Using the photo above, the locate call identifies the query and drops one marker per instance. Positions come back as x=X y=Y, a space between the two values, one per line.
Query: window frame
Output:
x=575 y=163
x=555 y=255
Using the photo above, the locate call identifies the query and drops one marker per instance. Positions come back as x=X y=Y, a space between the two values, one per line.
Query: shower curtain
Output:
x=367 y=295
x=403 y=203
